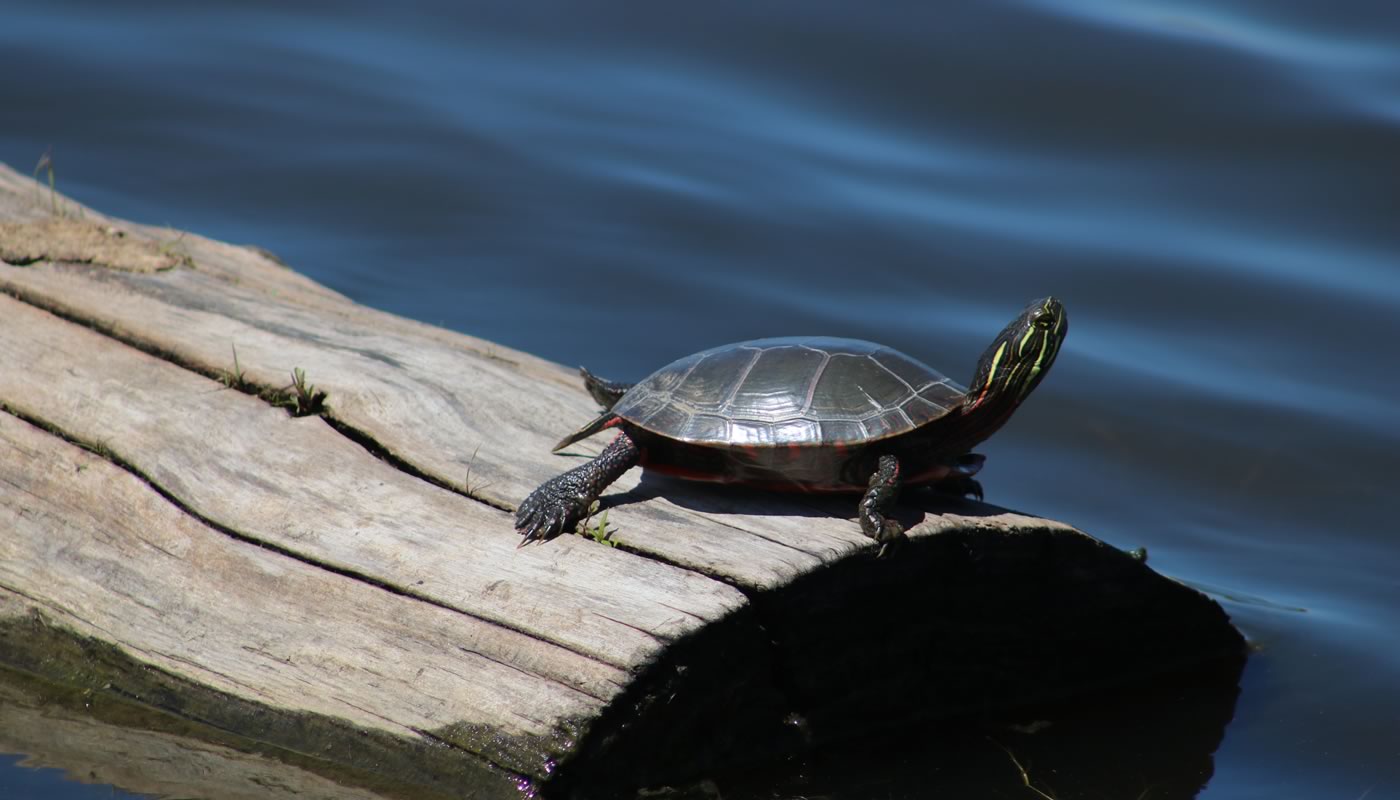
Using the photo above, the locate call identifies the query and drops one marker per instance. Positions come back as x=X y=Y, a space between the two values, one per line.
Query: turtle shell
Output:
x=801 y=390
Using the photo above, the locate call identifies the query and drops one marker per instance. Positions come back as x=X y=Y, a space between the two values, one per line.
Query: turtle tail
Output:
x=604 y=391
x=605 y=420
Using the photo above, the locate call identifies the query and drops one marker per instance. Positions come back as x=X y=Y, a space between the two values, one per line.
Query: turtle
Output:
x=805 y=413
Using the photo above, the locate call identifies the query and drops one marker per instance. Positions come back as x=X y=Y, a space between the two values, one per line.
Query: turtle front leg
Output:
x=884 y=488
x=561 y=502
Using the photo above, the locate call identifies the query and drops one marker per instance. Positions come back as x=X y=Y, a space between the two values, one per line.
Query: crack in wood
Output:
x=261 y=391
x=379 y=451
x=712 y=574
x=778 y=542
x=662 y=640
x=522 y=671
x=345 y=572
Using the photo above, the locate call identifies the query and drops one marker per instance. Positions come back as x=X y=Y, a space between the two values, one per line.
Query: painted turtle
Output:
x=805 y=414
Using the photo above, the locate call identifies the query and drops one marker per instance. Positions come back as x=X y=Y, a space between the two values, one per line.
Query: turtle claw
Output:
x=890 y=537
x=963 y=487
x=969 y=487
x=550 y=510
x=893 y=538
x=560 y=502
x=961 y=483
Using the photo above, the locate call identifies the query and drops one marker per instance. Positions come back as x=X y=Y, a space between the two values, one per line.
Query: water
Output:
x=1211 y=187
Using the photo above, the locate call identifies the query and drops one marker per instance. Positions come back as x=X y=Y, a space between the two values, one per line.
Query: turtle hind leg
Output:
x=884 y=488
x=559 y=503
x=604 y=391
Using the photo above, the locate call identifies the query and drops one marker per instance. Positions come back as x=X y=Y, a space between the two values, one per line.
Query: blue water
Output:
x=42 y=783
x=1212 y=187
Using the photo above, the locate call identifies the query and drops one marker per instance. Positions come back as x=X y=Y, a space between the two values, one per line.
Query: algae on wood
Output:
x=86 y=242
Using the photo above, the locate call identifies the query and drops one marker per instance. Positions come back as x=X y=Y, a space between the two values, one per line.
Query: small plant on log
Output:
x=597 y=531
x=234 y=379
x=98 y=448
x=491 y=354
x=45 y=165
x=175 y=248
x=302 y=399
x=467 y=486
x=309 y=400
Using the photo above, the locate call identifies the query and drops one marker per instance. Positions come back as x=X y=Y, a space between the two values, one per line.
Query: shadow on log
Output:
x=344 y=588
x=962 y=628
x=1146 y=742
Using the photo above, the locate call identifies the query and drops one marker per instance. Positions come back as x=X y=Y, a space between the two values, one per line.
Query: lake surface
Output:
x=1211 y=187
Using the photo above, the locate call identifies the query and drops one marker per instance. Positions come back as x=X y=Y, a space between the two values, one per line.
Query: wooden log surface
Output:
x=360 y=565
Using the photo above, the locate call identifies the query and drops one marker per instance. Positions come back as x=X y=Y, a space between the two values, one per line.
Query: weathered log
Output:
x=105 y=717
x=293 y=578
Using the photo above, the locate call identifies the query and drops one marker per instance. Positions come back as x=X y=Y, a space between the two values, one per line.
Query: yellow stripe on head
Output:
x=996 y=361
x=1035 y=367
x=1021 y=348
x=991 y=372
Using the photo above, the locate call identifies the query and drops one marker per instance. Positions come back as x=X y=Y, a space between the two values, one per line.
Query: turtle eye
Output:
x=1044 y=322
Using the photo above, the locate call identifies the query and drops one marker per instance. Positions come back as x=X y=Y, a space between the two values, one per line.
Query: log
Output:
x=344 y=587
x=107 y=735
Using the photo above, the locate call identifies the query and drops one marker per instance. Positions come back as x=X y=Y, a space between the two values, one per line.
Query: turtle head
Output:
x=1019 y=357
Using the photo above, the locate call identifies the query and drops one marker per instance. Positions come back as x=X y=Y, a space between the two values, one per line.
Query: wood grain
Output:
x=141 y=574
